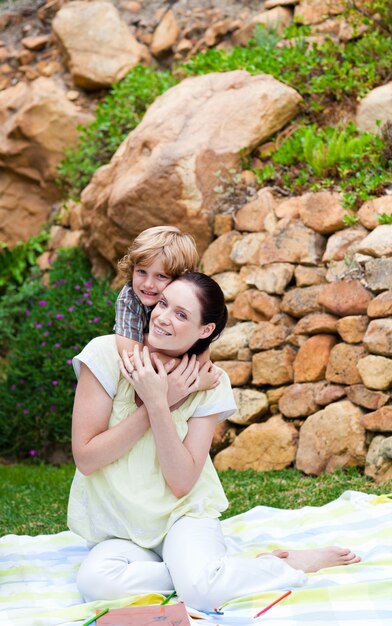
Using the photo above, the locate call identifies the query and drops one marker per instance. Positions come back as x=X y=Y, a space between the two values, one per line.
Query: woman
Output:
x=145 y=493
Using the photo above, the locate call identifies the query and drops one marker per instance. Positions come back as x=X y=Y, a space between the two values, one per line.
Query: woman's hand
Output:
x=209 y=376
x=148 y=383
x=183 y=380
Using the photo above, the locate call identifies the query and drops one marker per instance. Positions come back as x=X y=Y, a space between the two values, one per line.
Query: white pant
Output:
x=192 y=560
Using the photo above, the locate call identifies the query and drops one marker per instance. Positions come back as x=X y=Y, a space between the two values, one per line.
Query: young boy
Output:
x=156 y=256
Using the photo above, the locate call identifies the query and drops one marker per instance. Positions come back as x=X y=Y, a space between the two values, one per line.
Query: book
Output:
x=151 y=615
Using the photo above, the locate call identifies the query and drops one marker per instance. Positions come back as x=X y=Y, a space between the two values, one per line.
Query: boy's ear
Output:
x=207 y=330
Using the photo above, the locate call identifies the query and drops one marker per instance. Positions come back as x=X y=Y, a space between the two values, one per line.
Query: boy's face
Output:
x=148 y=281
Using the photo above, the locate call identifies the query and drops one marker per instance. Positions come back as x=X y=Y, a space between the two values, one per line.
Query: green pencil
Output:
x=92 y=619
x=166 y=600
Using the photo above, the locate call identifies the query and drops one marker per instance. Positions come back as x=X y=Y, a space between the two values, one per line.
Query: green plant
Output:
x=340 y=159
x=17 y=262
x=118 y=114
x=384 y=218
x=38 y=383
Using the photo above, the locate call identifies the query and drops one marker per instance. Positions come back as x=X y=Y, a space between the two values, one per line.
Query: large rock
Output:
x=302 y=301
x=345 y=297
x=231 y=284
x=376 y=107
x=316 y=323
x=239 y=372
x=378 y=273
x=315 y=11
x=37 y=123
x=99 y=47
x=378 y=243
x=380 y=421
x=165 y=171
x=323 y=212
x=331 y=439
x=273 y=367
x=381 y=305
x=299 y=400
x=231 y=341
x=306 y=276
x=352 y=328
x=165 y=34
x=292 y=242
x=251 y=217
x=378 y=337
x=255 y=306
x=267 y=335
x=262 y=447
x=342 y=364
x=277 y=19
x=373 y=400
x=247 y=249
x=339 y=243
x=217 y=258
x=272 y=278
x=312 y=358
x=370 y=210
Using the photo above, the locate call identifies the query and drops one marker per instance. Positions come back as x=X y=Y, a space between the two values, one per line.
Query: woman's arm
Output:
x=94 y=445
x=181 y=461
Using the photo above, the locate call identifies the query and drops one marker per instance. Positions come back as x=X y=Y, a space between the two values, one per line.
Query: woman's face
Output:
x=175 y=323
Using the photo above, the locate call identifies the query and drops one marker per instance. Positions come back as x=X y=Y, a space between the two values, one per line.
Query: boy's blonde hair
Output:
x=177 y=249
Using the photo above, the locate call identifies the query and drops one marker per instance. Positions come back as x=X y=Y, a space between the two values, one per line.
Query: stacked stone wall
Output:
x=308 y=348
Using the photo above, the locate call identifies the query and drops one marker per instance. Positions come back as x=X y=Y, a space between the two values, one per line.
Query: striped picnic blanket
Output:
x=38 y=587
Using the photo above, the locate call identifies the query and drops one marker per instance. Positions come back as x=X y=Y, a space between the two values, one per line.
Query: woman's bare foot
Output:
x=319 y=558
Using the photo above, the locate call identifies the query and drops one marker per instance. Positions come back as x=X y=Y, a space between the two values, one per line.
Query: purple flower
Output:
x=96 y=320
x=42 y=303
x=77 y=287
x=43 y=343
x=57 y=345
x=50 y=324
x=25 y=411
x=69 y=361
x=109 y=302
x=89 y=302
x=75 y=348
x=55 y=382
x=88 y=283
x=27 y=312
x=70 y=309
x=46 y=333
x=59 y=316
x=33 y=452
x=86 y=295
x=53 y=408
x=37 y=325
x=22 y=381
x=13 y=387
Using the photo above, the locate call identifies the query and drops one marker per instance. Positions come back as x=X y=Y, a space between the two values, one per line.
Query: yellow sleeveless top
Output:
x=129 y=498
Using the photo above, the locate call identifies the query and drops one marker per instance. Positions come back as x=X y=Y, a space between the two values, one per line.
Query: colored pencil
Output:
x=267 y=608
x=92 y=619
x=169 y=597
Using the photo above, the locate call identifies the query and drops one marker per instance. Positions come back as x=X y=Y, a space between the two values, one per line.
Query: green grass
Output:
x=33 y=498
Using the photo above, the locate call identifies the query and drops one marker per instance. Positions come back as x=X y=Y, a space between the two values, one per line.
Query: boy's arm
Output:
x=208 y=374
x=127 y=344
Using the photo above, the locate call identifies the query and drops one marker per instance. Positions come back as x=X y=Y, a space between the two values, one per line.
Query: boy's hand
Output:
x=183 y=380
x=209 y=376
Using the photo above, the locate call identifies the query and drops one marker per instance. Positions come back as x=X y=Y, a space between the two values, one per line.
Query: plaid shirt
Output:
x=132 y=316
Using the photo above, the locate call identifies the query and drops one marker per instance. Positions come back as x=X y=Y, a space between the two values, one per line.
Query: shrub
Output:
x=17 y=262
x=38 y=382
x=118 y=114
x=341 y=158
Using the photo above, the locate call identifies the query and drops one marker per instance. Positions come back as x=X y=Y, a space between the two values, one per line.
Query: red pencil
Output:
x=267 y=608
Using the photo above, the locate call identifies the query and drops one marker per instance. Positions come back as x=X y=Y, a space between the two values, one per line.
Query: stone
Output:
x=316 y=323
x=266 y=336
x=273 y=367
x=339 y=243
x=379 y=459
x=277 y=18
x=231 y=340
x=349 y=269
x=301 y=301
x=378 y=273
x=223 y=223
x=371 y=209
x=345 y=297
x=37 y=123
x=316 y=11
x=379 y=421
x=323 y=212
x=217 y=31
x=273 y=395
x=312 y=358
x=224 y=436
x=378 y=337
x=251 y=216
x=298 y=400
x=239 y=372
x=231 y=284
x=262 y=447
x=217 y=258
x=164 y=171
x=375 y=108
x=64 y=238
x=252 y=404
x=381 y=305
x=352 y=328
x=375 y=371
x=342 y=364
x=165 y=35
x=289 y=208
x=35 y=43
x=272 y=278
x=373 y=400
x=270 y=4
x=246 y=250
x=378 y=243
x=331 y=439
x=255 y=305
x=292 y=242
x=100 y=56
x=326 y=394
x=306 y=276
